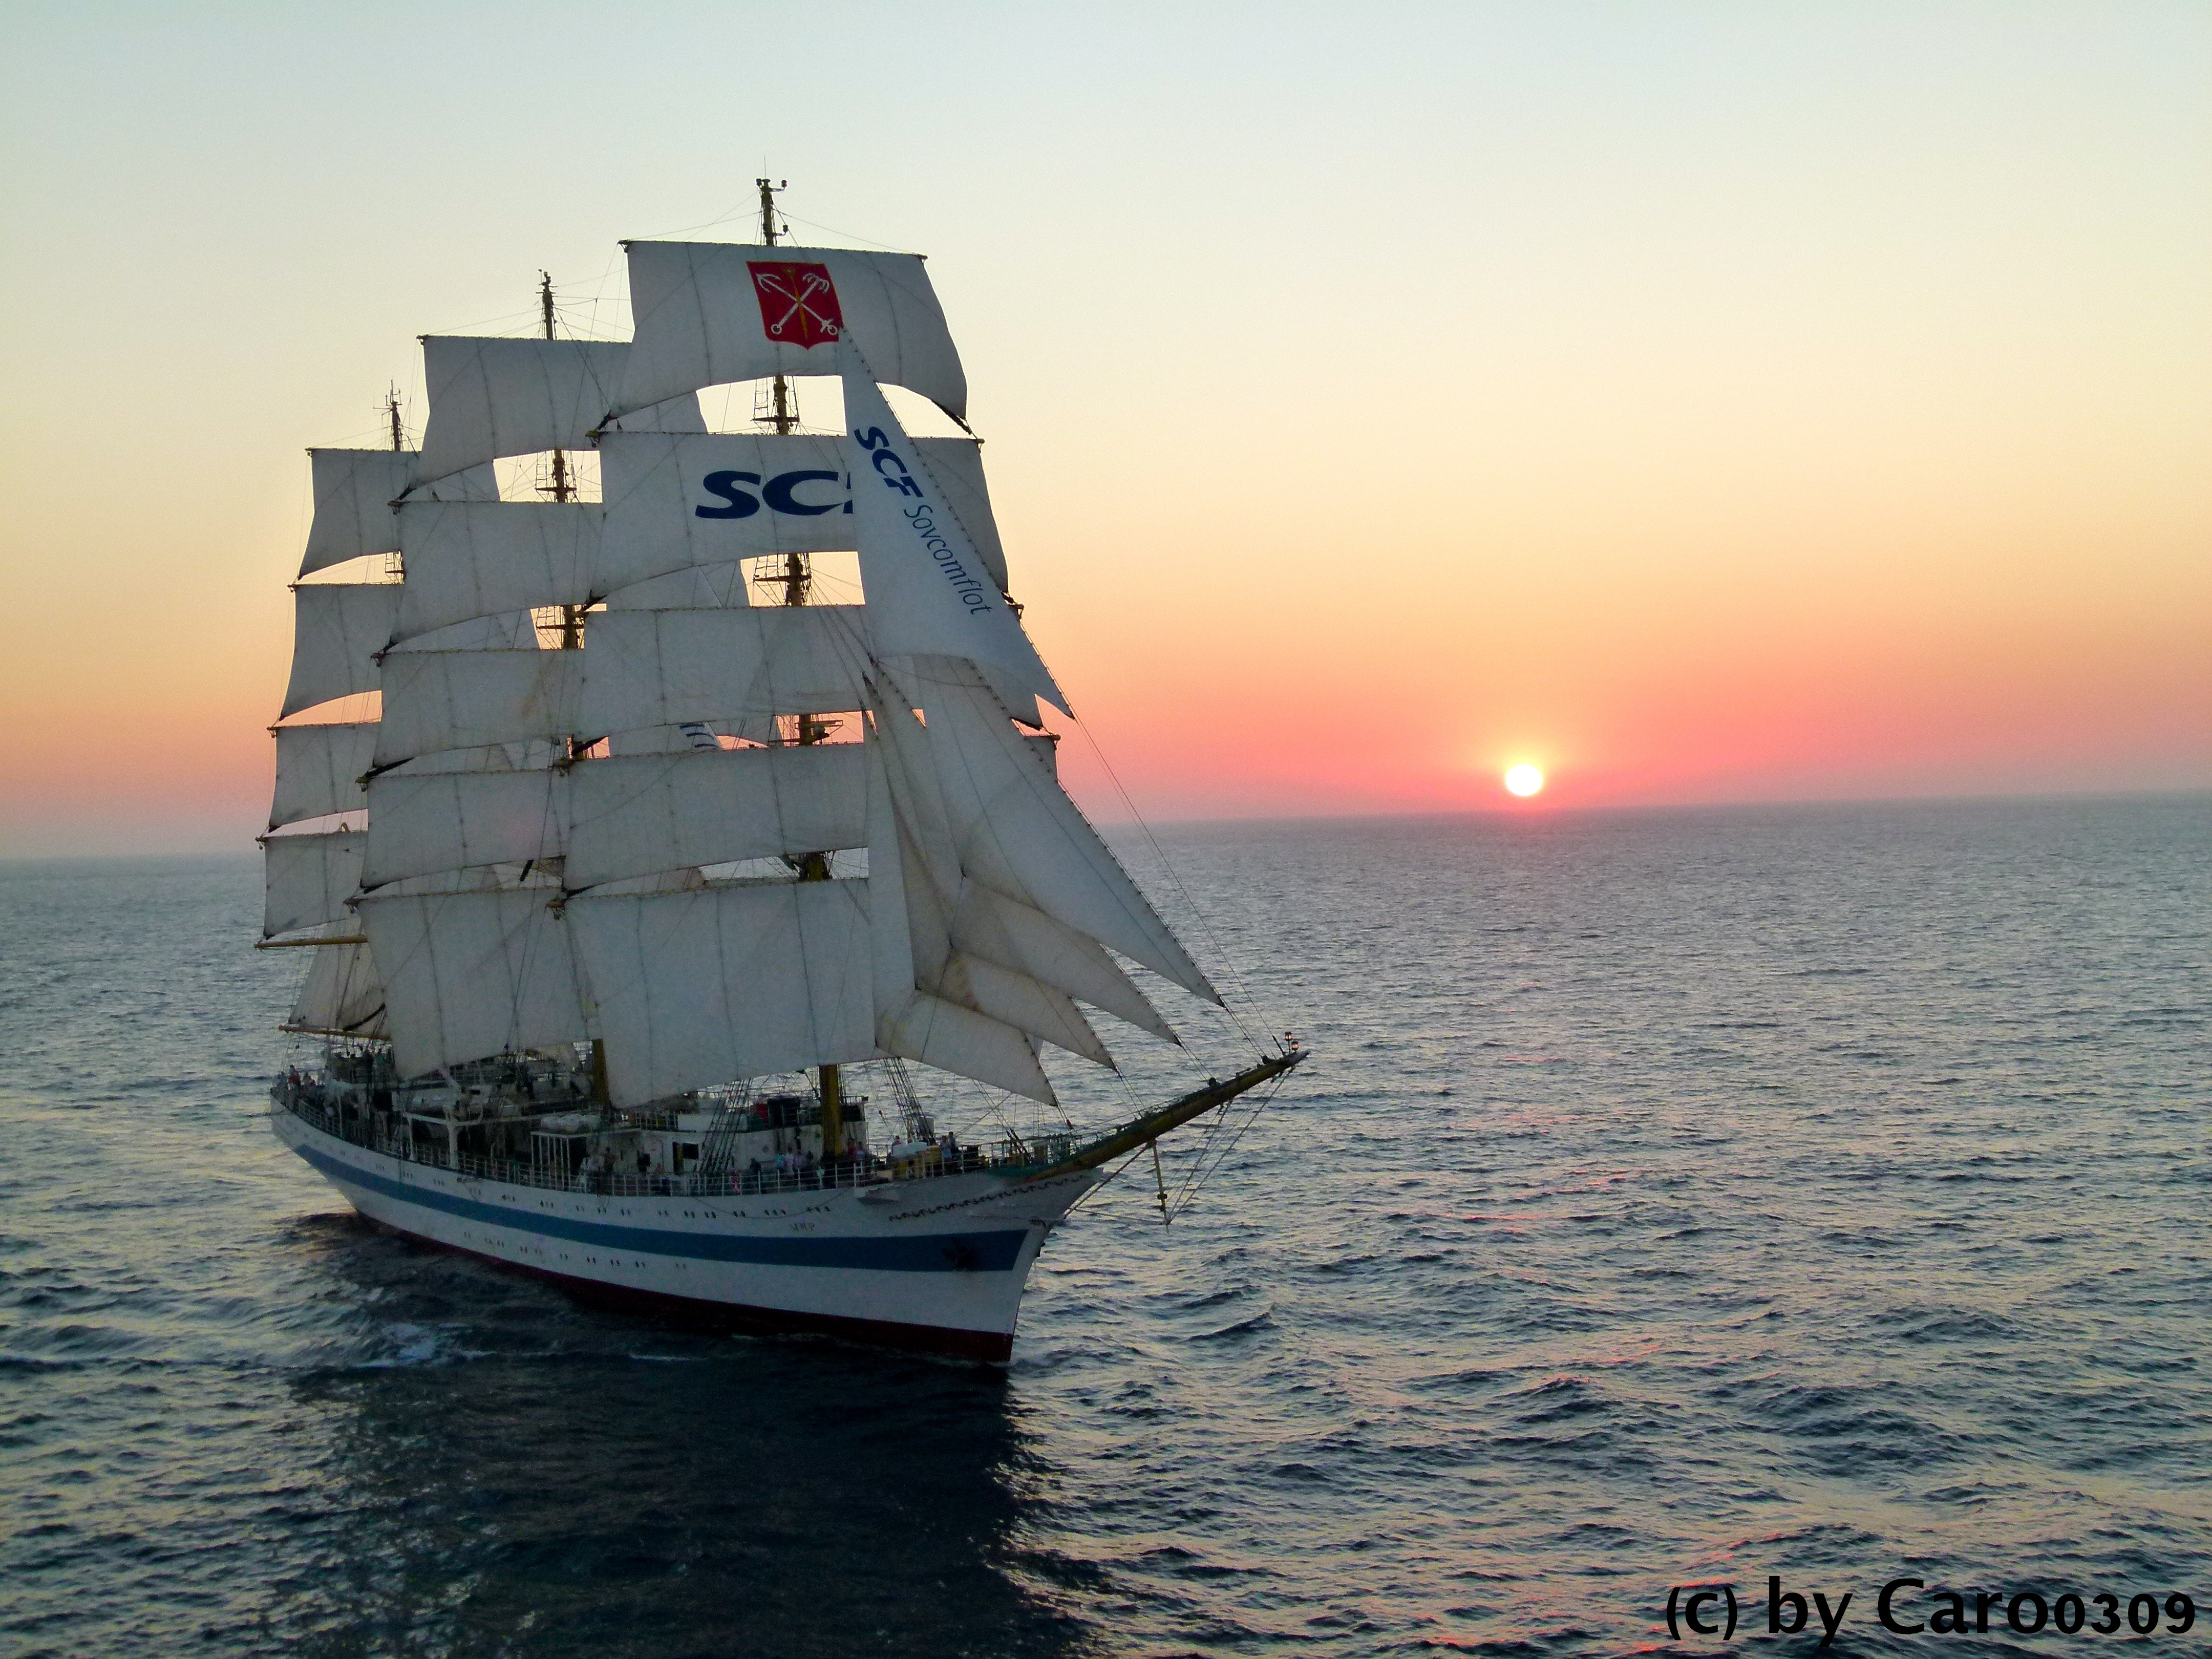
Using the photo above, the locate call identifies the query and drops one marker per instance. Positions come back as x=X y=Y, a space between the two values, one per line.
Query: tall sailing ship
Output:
x=662 y=909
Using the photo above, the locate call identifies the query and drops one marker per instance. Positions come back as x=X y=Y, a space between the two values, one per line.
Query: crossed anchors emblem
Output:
x=798 y=302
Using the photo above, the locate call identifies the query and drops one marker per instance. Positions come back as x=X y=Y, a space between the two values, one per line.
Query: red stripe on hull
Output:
x=990 y=1347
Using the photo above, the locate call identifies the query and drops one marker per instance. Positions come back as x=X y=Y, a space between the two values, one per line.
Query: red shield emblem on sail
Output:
x=798 y=303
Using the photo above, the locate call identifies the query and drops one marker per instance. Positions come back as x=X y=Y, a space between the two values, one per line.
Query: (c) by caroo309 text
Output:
x=1907 y=1606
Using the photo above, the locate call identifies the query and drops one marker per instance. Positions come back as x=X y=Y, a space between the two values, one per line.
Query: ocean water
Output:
x=1674 y=1198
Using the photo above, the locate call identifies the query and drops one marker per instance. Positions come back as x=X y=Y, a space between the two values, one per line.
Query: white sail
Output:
x=676 y=414
x=935 y=1032
x=435 y=700
x=928 y=589
x=674 y=502
x=513 y=897
x=710 y=313
x=926 y=866
x=691 y=737
x=491 y=397
x=663 y=667
x=957 y=465
x=472 y=973
x=510 y=630
x=420 y=823
x=1018 y=833
x=475 y=483
x=318 y=771
x=969 y=944
x=529 y=755
x=904 y=773
x=337 y=629
x=698 y=987
x=342 y=995
x=481 y=558
x=309 y=878
x=911 y=1021
x=630 y=817
x=707 y=587
x=354 y=491
x=989 y=927
x=1016 y=1000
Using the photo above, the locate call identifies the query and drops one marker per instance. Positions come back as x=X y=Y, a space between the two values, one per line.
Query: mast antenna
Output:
x=562 y=488
x=783 y=407
x=780 y=407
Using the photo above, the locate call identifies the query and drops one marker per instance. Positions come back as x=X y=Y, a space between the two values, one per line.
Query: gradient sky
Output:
x=1706 y=402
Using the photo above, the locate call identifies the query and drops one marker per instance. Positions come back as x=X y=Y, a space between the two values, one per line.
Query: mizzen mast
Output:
x=560 y=485
x=395 y=564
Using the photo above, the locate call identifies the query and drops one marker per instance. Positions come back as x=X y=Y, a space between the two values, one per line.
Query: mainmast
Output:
x=796 y=578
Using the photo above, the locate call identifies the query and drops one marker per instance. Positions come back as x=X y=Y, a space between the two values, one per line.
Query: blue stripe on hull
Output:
x=993 y=1347
x=996 y=1252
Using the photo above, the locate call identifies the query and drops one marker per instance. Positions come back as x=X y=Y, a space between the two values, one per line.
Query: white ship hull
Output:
x=937 y=1265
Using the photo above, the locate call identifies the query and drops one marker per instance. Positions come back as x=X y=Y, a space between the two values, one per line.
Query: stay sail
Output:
x=617 y=844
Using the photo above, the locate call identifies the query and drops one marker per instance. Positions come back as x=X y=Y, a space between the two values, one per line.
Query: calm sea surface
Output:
x=1673 y=1197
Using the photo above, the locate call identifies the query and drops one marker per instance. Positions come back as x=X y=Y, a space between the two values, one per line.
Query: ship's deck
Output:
x=386 y=1134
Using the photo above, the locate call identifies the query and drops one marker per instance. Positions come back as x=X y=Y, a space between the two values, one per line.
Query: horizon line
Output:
x=1525 y=809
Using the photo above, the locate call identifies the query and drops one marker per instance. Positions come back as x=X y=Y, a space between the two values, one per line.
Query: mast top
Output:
x=392 y=412
x=562 y=488
x=777 y=403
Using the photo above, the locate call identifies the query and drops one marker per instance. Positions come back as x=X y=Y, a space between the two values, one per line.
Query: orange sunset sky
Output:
x=1704 y=402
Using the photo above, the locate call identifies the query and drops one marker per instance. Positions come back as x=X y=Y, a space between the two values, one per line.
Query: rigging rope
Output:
x=1213 y=938
x=1200 y=1171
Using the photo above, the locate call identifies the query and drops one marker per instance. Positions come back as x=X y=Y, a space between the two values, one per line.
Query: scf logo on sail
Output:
x=779 y=493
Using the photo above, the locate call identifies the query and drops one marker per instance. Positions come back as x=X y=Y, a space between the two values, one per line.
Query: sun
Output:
x=1524 y=779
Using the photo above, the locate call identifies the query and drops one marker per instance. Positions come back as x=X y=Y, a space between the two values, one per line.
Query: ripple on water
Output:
x=1675 y=1196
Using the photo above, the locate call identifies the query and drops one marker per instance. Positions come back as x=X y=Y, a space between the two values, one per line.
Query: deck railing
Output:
x=863 y=1170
